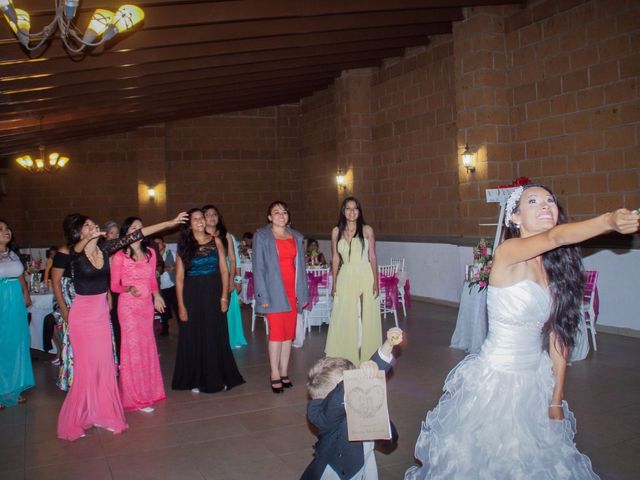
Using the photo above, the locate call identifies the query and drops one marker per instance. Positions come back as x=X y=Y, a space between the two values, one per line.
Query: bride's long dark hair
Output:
x=566 y=280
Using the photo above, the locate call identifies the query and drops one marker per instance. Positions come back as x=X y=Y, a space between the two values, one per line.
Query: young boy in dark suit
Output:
x=335 y=456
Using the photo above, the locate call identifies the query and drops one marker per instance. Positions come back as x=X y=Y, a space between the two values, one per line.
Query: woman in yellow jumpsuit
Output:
x=355 y=331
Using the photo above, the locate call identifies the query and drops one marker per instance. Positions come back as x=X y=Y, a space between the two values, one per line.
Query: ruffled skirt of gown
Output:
x=493 y=424
x=493 y=420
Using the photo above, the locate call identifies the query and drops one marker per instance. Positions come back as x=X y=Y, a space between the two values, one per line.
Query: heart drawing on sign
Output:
x=365 y=403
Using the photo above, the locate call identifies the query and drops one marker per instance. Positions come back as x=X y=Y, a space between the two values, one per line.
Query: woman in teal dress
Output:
x=216 y=227
x=16 y=374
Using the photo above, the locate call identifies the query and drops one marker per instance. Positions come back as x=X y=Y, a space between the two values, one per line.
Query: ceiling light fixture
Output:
x=103 y=23
x=41 y=164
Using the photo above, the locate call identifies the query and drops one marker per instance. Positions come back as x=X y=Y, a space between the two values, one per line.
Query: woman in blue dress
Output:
x=16 y=374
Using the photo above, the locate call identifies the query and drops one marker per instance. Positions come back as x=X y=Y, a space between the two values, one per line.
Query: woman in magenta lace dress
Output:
x=133 y=277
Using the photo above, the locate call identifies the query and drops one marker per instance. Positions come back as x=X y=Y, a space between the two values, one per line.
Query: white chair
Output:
x=387 y=271
x=247 y=267
x=254 y=314
x=588 y=309
x=322 y=308
x=402 y=279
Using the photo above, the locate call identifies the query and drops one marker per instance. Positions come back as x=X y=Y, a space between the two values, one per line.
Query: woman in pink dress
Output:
x=133 y=276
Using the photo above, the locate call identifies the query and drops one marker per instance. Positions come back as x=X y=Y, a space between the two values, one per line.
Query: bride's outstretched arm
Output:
x=559 y=354
x=516 y=250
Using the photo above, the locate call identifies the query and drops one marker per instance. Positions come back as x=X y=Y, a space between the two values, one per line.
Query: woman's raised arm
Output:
x=516 y=250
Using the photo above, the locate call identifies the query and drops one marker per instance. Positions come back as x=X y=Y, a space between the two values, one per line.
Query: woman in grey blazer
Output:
x=280 y=285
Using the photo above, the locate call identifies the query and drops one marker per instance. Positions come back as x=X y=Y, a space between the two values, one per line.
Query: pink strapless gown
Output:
x=140 y=376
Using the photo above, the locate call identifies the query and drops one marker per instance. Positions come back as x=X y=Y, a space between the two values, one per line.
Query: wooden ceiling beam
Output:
x=90 y=114
x=345 y=61
x=180 y=91
x=46 y=87
x=134 y=58
x=199 y=24
x=220 y=65
x=223 y=11
x=211 y=76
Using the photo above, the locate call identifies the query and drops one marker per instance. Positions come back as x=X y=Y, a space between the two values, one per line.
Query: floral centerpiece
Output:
x=34 y=265
x=314 y=257
x=481 y=268
x=245 y=252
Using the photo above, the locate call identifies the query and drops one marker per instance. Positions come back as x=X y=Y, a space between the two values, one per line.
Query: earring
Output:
x=517 y=226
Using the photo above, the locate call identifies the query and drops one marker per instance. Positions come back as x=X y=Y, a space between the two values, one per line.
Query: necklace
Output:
x=349 y=234
x=95 y=258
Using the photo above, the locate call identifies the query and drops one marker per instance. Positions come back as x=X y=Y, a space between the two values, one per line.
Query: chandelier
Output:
x=41 y=164
x=103 y=23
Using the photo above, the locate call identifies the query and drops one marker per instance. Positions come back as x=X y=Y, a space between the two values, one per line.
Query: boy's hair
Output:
x=325 y=375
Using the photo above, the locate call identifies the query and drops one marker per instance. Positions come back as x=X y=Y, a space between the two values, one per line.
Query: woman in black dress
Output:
x=204 y=361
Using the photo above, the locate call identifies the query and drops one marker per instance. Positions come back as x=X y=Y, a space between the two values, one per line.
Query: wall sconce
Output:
x=342 y=185
x=468 y=159
x=152 y=193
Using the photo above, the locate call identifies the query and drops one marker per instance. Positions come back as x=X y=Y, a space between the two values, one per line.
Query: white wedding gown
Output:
x=492 y=421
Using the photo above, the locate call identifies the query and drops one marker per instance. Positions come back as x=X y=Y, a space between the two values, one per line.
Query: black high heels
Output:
x=286 y=383
x=279 y=389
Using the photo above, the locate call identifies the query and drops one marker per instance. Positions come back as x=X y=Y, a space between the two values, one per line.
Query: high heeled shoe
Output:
x=286 y=383
x=279 y=389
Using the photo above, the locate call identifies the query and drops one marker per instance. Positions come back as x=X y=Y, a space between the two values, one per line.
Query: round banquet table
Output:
x=471 y=325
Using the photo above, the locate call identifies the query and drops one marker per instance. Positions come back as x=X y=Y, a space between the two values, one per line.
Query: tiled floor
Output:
x=249 y=433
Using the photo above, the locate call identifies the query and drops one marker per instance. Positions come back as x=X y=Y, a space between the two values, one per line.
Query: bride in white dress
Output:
x=503 y=415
